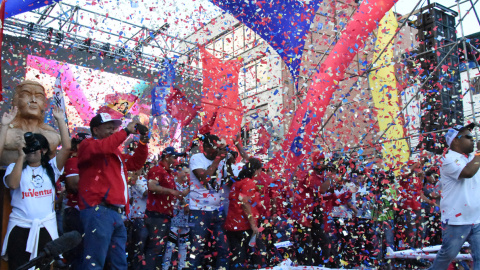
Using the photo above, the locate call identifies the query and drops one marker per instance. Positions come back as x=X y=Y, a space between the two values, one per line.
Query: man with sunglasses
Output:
x=460 y=206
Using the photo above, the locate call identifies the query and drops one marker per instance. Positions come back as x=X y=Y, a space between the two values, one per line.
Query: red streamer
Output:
x=326 y=81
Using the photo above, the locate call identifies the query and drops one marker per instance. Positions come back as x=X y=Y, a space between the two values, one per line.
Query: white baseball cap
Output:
x=102 y=118
x=453 y=132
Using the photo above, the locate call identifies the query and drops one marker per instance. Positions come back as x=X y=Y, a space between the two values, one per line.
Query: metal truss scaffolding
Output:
x=145 y=47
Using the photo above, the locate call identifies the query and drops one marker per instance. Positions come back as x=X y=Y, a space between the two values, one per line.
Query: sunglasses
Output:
x=468 y=136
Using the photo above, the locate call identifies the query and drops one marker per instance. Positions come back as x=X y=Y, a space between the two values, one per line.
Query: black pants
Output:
x=72 y=222
x=433 y=230
x=238 y=241
x=322 y=246
x=17 y=243
x=314 y=246
x=303 y=243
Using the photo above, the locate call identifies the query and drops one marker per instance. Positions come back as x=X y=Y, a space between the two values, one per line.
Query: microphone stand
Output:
x=39 y=260
x=53 y=249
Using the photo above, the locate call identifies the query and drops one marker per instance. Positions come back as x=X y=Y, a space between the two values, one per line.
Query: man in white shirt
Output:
x=206 y=203
x=460 y=206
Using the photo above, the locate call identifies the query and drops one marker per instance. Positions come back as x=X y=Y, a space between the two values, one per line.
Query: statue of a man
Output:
x=30 y=99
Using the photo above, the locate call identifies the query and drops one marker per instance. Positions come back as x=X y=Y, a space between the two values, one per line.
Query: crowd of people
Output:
x=217 y=207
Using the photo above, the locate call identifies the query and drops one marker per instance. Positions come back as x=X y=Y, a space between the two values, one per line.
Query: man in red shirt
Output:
x=161 y=198
x=306 y=198
x=264 y=243
x=103 y=190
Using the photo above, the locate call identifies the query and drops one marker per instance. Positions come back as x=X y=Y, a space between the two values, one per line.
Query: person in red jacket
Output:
x=161 y=199
x=242 y=218
x=411 y=183
x=103 y=190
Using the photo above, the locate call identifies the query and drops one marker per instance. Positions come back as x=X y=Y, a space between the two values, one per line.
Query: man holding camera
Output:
x=207 y=203
x=103 y=190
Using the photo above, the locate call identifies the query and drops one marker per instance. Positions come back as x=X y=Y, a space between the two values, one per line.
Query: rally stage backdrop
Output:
x=92 y=81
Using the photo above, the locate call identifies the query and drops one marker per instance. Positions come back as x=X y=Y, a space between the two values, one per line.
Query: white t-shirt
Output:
x=35 y=198
x=236 y=168
x=180 y=219
x=460 y=204
x=139 y=202
x=202 y=198
x=362 y=201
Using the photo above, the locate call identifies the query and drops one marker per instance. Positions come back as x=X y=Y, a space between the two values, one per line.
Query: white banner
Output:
x=58 y=98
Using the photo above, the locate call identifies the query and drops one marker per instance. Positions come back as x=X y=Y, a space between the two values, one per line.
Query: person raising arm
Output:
x=7 y=118
x=31 y=181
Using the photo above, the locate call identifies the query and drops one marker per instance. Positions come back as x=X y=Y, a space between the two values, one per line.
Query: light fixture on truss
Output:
x=59 y=37
x=85 y=45
x=49 y=33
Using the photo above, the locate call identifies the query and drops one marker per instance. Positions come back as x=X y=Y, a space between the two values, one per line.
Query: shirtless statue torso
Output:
x=30 y=99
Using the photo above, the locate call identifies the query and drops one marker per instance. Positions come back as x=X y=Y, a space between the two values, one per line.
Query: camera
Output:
x=231 y=153
x=31 y=143
x=141 y=129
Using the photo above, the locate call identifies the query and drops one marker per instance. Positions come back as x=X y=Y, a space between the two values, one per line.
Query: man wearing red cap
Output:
x=103 y=190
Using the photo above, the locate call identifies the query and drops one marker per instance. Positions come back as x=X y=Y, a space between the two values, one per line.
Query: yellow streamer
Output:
x=385 y=95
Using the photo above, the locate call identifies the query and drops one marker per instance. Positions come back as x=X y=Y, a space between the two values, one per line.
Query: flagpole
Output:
x=2 y=19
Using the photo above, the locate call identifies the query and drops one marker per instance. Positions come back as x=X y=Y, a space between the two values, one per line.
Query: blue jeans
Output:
x=385 y=227
x=139 y=240
x=204 y=223
x=454 y=236
x=158 y=227
x=104 y=238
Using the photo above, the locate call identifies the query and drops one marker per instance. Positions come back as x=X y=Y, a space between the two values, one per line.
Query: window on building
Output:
x=476 y=85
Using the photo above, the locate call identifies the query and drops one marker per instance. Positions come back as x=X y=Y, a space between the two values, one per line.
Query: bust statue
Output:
x=30 y=99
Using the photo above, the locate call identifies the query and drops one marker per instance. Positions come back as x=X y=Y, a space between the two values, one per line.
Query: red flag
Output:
x=2 y=17
x=220 y=95
x=263 y=140
x=180 y=107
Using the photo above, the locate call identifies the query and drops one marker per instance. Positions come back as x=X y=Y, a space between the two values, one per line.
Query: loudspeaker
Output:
x=443 y=106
